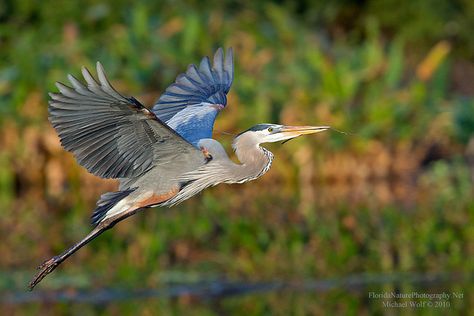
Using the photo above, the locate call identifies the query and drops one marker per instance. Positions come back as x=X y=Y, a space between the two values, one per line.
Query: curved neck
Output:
x=255 y=160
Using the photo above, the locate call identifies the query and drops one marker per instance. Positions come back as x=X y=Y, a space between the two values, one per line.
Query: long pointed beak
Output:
x=295 y=131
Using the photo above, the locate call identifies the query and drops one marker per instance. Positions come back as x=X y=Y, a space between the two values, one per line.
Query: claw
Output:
x=44 y=269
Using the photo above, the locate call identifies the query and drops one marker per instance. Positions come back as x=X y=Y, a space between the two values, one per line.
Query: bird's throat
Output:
x=255 y=162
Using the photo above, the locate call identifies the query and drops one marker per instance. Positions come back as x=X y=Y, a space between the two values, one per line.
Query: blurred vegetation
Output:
x=395 y=195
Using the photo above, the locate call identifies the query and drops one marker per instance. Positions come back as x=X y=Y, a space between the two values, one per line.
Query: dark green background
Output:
x=388 y=207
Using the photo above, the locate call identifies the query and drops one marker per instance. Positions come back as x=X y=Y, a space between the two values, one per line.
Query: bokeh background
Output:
x=388 y=207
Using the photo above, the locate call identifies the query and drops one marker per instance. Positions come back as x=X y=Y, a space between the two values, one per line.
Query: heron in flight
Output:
x=161 y=156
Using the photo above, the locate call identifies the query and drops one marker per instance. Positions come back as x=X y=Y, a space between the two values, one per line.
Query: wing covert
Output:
x=110 y=135
x=191 y=104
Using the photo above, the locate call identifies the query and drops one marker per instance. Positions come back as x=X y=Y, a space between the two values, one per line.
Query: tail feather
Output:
x=106 y=202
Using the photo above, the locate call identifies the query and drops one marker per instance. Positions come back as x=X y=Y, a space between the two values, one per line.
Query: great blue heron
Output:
x=163 y=156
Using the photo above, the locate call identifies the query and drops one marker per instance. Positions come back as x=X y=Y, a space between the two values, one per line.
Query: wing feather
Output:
x=191 y=104
x=110 y=135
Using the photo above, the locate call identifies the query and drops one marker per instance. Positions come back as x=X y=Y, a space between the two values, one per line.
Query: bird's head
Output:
x=270 y=133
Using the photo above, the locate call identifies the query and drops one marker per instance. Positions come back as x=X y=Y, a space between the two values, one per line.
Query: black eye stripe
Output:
x=256 y=128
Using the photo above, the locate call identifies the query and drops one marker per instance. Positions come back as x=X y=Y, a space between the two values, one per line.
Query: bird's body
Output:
x=161 y=156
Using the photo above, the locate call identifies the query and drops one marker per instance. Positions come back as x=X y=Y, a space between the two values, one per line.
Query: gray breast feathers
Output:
x=220 y=169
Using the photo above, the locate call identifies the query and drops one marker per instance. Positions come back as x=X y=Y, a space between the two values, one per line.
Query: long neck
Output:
x=255 y=160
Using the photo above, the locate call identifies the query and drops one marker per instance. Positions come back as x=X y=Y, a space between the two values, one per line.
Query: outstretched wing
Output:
x=191 y=104
x=110 y=135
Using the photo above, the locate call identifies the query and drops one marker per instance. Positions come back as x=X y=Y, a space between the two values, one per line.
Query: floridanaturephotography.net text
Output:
x=416 y=299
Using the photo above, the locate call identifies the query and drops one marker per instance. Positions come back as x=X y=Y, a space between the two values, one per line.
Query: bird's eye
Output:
x=270 y=129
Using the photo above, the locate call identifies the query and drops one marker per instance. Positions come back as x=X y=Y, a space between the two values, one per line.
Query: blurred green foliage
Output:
x=394 y=195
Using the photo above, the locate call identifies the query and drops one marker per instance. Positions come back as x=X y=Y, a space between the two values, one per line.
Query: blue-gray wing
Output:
x=110 y=135
x=191 y=104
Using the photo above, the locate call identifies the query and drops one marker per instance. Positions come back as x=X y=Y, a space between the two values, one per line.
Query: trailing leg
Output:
x=49 y=265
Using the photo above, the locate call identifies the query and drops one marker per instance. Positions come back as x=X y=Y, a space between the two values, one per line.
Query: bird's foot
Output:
x=44 y=269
